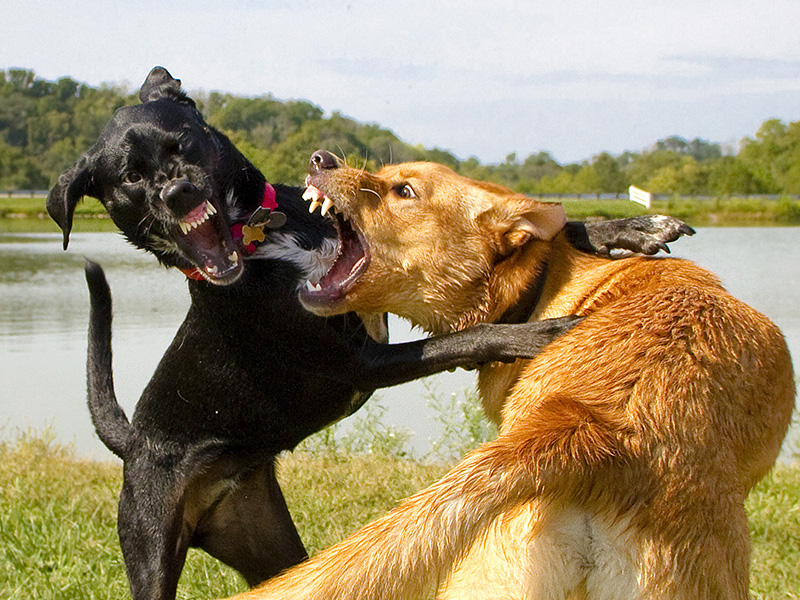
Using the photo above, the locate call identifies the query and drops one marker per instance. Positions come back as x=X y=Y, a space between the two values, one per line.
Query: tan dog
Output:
x=626 y=449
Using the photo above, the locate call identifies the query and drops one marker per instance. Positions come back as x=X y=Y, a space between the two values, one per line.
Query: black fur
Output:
x=249 y=373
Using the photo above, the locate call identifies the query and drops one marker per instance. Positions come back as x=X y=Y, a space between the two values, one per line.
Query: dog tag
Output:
x=266 y=217
x=250 y=235
x=276 y=219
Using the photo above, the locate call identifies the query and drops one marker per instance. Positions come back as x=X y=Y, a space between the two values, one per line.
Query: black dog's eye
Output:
x=132 y=177
x=404 y=190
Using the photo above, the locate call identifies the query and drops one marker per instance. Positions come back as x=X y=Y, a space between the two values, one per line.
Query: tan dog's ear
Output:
x=538 y=221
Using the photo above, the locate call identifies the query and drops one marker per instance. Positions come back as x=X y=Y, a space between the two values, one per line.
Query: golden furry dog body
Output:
x=626 y=449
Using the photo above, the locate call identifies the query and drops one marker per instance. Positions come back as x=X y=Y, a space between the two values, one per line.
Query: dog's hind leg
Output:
x=151 y=527
x=249 y=526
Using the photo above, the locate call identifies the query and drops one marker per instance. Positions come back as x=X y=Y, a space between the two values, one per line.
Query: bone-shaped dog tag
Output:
x=265 y=217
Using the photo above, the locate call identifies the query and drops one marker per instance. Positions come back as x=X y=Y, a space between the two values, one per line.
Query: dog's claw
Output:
x=644 y=235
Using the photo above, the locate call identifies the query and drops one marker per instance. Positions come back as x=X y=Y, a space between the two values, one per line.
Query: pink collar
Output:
x=250 y=232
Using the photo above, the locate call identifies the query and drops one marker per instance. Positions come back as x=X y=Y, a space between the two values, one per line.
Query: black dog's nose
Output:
x=180 y=196
x=322 y=159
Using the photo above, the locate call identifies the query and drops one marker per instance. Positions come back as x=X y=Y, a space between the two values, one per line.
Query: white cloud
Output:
x=435 y=73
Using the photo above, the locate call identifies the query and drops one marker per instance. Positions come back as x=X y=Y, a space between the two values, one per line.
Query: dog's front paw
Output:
x=644 y=235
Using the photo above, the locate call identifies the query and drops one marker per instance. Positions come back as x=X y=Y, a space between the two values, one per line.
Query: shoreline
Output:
x=93 y=218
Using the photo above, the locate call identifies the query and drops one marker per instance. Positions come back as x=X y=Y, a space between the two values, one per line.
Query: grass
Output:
x=28 y=215
x=698 y=212
x=57 y=517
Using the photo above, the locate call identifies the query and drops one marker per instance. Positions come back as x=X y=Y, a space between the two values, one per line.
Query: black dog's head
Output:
x=168 y=180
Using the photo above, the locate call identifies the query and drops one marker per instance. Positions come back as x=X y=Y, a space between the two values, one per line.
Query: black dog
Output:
x=250 y=373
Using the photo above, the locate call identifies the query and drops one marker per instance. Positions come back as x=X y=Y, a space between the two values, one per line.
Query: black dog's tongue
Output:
x=208 y=243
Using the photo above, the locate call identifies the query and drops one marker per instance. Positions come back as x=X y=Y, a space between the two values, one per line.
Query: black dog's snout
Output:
x=180 y=196
x=322 y=159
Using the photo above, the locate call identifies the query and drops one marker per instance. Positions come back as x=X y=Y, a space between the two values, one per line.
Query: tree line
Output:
x=45 y=125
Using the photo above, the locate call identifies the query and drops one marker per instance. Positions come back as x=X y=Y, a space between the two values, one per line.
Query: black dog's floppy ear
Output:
x=160 y=84
x=72 y=185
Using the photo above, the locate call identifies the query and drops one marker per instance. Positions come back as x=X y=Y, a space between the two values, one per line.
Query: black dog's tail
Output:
x=109 y=419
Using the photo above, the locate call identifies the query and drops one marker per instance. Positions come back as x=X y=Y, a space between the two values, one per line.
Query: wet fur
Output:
x=626 y=448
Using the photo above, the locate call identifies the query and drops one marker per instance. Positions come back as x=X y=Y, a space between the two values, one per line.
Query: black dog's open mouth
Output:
x=205 y=239
x=352 y=257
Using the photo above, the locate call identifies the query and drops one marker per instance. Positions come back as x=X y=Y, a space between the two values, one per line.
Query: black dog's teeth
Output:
x=197 y=217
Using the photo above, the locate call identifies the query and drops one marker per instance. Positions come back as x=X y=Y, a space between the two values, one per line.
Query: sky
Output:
x=483 y=79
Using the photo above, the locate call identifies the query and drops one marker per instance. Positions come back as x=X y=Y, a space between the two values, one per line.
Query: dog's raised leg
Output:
x=406 y=553
x=410 y=551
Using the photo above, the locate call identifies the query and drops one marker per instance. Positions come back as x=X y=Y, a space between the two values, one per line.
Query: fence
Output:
x=23 y=193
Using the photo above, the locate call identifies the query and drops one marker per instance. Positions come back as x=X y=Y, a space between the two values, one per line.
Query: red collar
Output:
x=247 y=233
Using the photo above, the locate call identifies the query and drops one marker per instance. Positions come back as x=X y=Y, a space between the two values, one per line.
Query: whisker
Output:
x=343 y=155
x=371 y=192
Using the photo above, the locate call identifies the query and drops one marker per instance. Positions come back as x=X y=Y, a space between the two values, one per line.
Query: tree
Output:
x=729 y=175
x=45 y=125
x=610 y=178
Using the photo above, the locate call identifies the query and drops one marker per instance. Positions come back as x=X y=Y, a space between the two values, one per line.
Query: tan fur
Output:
x=626 y=449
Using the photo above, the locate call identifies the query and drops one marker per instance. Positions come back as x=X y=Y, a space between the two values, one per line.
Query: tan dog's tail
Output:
x=413 y=548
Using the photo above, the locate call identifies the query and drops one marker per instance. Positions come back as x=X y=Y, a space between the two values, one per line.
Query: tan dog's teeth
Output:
x=310 y=193
x=326 y=206
x=315 y=204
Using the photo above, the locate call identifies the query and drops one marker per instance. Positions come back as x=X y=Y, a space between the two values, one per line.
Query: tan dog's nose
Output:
x=322 y=159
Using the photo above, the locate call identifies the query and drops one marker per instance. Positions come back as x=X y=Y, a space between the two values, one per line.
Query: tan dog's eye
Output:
x=405 y=191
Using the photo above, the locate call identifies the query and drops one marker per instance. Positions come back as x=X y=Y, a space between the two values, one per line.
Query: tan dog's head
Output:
x=425 y=243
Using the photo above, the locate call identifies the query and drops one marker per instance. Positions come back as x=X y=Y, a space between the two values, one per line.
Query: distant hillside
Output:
x=46 y=125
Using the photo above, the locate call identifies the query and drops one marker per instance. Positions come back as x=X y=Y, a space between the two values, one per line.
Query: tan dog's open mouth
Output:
x=352 y=257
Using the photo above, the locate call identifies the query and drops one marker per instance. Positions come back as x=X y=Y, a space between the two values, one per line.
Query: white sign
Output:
x=640 y=196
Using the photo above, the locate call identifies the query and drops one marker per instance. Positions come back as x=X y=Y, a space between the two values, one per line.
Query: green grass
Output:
x=751 y=211
x=29 y=215
x=58 y=538
x=58 y=517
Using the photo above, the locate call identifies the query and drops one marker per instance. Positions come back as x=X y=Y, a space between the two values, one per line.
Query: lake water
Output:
x=44 y=312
